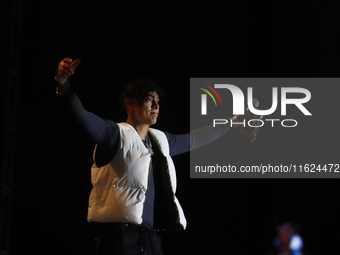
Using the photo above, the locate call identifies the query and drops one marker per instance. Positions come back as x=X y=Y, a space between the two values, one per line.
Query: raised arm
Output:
x=102 y=132
x=197 y=138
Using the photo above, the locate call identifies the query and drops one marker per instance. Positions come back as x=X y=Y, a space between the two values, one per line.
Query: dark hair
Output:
x=139 y=90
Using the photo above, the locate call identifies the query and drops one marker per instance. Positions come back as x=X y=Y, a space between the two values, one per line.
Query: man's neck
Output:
x=142 y=129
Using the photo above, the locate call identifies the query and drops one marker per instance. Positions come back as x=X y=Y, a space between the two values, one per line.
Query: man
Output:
x=133 y=175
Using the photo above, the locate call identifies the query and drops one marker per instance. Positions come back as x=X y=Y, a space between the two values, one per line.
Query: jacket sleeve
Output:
x=101 y=131
x=183 y=143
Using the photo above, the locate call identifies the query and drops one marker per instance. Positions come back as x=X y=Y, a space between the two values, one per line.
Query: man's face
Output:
x=147 y=111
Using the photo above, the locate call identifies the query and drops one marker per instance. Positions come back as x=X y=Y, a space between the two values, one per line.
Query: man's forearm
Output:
x=206 y=135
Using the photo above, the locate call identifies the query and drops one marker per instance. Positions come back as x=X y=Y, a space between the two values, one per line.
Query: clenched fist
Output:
x=65 y=69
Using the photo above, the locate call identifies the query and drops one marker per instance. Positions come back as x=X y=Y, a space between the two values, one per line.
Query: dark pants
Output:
x=125 y=239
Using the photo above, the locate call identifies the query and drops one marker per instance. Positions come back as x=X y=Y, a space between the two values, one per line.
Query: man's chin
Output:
x=153 y=122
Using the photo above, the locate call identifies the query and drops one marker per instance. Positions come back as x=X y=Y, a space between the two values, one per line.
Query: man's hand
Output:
x=66 y=69
x=248 y=133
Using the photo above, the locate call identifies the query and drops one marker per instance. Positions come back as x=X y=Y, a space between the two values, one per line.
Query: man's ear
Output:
x=128 y=105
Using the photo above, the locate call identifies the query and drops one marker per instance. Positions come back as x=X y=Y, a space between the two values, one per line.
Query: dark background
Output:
x=169 y=42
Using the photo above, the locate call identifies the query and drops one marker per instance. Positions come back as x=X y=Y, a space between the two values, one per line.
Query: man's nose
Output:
x=155 y=104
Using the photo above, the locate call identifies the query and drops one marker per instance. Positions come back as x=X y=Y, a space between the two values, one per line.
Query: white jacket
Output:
x=120 y=187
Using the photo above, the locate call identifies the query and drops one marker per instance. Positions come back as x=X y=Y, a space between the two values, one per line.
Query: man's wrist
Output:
x=62 y=88
x=234 y=122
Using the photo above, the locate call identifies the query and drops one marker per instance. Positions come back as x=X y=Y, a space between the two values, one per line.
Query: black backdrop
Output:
x=169 y=42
